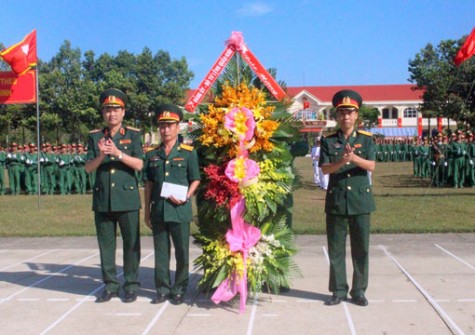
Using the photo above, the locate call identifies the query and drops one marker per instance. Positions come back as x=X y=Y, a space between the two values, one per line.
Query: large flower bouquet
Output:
x=244 y=147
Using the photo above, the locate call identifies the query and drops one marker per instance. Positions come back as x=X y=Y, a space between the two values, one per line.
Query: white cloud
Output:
x=255 y=9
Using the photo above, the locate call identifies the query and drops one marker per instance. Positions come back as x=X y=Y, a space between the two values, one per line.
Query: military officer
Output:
x=115 y=153
x=348 y=156
x=168 y=214
x=64 y=161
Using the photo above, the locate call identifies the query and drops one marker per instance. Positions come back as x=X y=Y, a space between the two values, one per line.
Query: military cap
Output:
x=168 y=113
x=113 y=97
x=32 y=145
x=347 y=98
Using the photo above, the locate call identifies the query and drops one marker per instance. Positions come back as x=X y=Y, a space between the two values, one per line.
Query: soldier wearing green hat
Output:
x=171 y=176
x=115 y=153
x=348 y=155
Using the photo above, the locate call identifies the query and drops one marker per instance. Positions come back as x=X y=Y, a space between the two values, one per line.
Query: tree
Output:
x=448 y=90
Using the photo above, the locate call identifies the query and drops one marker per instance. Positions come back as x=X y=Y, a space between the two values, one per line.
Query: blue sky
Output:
x=311 y=43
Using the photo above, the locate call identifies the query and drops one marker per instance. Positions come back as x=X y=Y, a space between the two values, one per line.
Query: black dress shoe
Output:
x=161 y=297
x=130 y=296
x=334 y=300
x=106 y=296
x=177 y=299
x=360 y=301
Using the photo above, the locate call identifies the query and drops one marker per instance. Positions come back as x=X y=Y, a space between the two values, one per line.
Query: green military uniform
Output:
x=13 y=163
x=349 y=200
x=80 y=178
x=64 y=162
x=49 y=165
x=348 y=204
x=3 y=158
x=179 y=167
x=31 y=172
x=470 y=161
x=116 y=200
x=458 y=152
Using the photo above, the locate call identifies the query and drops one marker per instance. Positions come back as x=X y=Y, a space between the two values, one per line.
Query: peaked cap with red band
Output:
x=113 y=97
x=347 y=98
x=168 y=113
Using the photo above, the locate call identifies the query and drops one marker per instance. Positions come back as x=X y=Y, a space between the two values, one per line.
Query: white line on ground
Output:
x=28 y=260
x=404 y=300
x=270 y=315
x=454 y=256
x=124 y=314
x=58 y=299
x=351 y=325
x=445 y=317
x=199 y=314
x=48 y=277
x=162 y=310
x=29 y=299
x=72 y=309
x=250 y=325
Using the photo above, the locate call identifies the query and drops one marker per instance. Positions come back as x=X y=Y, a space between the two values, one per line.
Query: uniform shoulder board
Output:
x=151 y=148
x=367 y=133
x=186 y=147
x=94 y=131
x=132 y=128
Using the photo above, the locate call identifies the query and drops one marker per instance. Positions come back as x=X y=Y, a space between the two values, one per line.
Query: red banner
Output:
x=419 y=126
x=399 y=122
x=380 y=122
x=210 y=78
x=262 y=73
x=234 y=44
x=18 y=89
x=439 y=124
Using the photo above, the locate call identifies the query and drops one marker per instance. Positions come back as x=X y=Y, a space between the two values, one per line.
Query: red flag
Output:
x=21 y=56
x=467 y=50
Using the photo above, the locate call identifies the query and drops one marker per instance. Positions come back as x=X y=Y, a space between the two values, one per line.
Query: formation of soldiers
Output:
x=61 y=169
x=448 y=161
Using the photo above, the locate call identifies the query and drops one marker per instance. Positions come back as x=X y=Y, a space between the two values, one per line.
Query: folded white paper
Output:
x=178 y=191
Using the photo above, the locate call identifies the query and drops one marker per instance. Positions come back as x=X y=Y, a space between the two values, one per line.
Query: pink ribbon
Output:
x=241 y=238
x=236 y=40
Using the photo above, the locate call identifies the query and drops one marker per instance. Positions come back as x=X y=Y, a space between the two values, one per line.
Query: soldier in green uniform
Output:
x=49 y=165
x=469 y=162
x=13 y=163
x=173 y=167
x=80 y=178
x=458 y=161
x=348 y=156
x=3 y=158
x=31 y=166
x=115 y=153
x=64 y=161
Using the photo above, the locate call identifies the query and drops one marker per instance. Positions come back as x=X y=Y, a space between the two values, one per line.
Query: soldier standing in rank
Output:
x=80 y=178
x=115 y=153
x=348 y=156
x=13 y=163
x=63 y=161
x=469 y=163
x=49 y=162
x=31 y=165
x=169 y=215
x=3 y=158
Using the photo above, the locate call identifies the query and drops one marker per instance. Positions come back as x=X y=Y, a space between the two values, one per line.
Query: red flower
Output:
x=220 y=188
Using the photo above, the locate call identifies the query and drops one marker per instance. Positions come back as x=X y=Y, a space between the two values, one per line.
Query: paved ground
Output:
x=419 y=284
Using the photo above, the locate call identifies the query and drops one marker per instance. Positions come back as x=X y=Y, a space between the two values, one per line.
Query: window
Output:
x=410 y=112
x=390 y=113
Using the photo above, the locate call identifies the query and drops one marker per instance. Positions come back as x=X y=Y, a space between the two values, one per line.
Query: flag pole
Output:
x=38 y=181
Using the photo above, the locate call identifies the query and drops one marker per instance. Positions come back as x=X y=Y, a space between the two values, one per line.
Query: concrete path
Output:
x=419 y=284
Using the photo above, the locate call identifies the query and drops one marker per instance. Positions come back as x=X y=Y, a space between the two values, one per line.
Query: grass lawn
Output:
x=405 y=204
